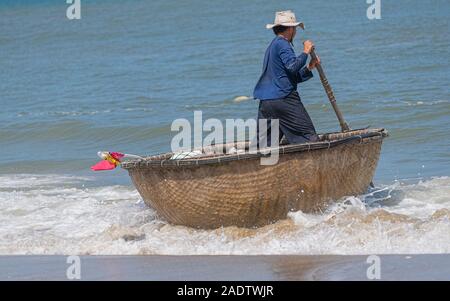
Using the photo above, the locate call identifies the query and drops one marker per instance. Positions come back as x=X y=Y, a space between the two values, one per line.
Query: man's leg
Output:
x=304 y=130
x=266 y=111
x=295 y=122
x=263 y=133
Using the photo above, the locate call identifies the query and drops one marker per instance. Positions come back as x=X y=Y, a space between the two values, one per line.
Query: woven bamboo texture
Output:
x=236 y=190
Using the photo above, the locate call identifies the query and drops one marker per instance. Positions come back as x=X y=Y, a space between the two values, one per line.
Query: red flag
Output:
x=103 y=165
x=117 y=155
x=110 y=161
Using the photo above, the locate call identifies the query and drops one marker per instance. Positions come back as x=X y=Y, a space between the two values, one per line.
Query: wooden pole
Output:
x=330 y=94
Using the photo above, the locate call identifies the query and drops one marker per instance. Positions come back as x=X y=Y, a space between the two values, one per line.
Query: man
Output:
x=277 y=86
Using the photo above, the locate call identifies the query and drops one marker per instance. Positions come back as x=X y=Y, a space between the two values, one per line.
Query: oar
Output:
x=330 y=94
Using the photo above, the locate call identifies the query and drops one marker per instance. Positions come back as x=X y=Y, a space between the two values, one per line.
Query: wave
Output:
x=63 y=214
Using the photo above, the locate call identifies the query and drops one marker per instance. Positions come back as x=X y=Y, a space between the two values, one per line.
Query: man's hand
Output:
x=307 y=46
x=313 y=63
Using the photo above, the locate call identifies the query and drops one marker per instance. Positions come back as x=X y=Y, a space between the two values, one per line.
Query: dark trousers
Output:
x=294 y=122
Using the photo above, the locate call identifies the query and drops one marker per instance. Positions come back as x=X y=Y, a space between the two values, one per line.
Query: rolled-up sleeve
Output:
x=304 y=74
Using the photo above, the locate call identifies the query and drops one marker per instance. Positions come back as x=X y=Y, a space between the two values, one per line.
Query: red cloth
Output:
x=105 y=164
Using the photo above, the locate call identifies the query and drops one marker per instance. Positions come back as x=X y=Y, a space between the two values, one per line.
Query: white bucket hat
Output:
x=285 y=18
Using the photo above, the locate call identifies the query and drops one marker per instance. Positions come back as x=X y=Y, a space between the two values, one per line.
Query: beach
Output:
x=227 y=268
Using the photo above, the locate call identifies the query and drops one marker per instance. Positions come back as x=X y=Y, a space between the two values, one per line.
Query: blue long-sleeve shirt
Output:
x=282 y=71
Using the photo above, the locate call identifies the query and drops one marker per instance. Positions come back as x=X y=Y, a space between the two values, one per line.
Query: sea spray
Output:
x=54 y=214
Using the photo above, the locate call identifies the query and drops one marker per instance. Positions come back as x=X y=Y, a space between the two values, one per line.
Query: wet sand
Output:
x=227 y=268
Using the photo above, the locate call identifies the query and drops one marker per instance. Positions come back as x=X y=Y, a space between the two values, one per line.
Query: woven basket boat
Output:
x=215 y=190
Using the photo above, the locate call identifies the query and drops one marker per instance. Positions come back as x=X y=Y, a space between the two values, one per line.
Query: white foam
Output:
x=241 y=98
x=53 y=214
x=32 y=181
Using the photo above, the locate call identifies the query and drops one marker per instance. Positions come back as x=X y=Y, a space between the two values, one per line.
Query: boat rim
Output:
x=162 y=160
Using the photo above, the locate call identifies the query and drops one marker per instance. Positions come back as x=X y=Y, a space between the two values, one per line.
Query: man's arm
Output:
x=304 y=74
x=293 y=63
